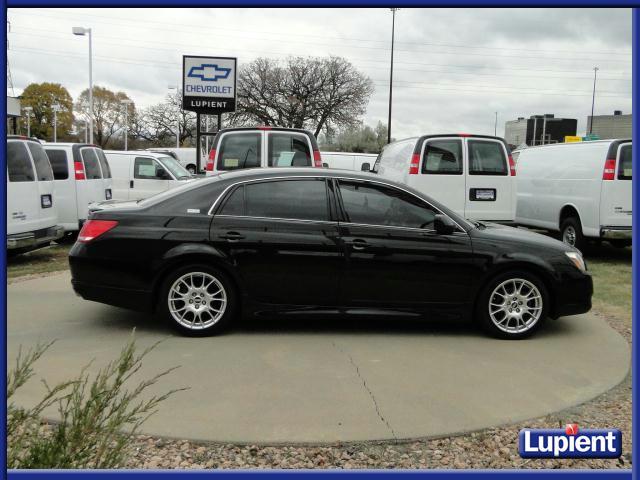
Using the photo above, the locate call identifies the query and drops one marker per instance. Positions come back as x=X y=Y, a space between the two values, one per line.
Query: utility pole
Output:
x=593 y=98
x=28 y=110
x=393 y=27
x=495 y=126
x=56 y=109
x=126 y=104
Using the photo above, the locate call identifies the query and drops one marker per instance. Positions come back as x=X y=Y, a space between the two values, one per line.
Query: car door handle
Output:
x=131 y=184
x=232 y=236
x=358 y=244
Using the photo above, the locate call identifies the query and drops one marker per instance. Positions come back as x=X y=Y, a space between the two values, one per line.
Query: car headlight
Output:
x=577 y=260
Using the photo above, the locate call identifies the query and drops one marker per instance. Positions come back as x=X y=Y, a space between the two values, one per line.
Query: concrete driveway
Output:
x=323 y=381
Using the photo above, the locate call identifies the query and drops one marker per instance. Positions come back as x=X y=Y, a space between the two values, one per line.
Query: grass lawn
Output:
x=49 y=259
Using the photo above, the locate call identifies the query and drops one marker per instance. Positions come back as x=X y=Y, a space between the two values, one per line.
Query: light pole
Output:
x=56 y=108
x=126 y=104
x=28 y=110
x=593 y=98
x=86 y=131
x=495 y=126
x=393 y=27
x=175 y=87
x=81 y=31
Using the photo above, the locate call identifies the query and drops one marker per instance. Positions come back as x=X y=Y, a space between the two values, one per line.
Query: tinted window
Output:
x=234 y=205
x=41 y=161
x=145 y=168
x=624 y=167
x=486 y=158
x=59 y=165
x=299 y=199
x=373 y=204
x=106 y=169
x=443 y=157
x=19 y=165
x=287 y=150
x=91 y=164
x=239 y=150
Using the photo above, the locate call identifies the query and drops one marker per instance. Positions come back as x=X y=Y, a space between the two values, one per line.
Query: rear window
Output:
x=287 y=150
x=486 y=158
x=624 y=166
x=106 y=169
x=91 y=164
x=239 y=150
x=59 y=165
x=41 y=161
x=235 y=203
x=19 y=165
x=443 y=157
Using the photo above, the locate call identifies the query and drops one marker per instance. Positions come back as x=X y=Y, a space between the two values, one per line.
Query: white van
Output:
x=474 y=175
x=141 y=174
x=32 y=219
x=582 y=190
x=81 y=176
x=348 y=160
x=185 y=155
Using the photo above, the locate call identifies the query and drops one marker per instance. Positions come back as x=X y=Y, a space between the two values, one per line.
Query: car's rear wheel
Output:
x=513 y=305
x=198 y=300
x=571 y=233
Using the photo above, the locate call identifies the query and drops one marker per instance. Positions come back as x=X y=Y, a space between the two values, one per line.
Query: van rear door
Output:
x=23 y=197
x=288 y=149
x=490 y=188
x=48 y=214
x=615 y=194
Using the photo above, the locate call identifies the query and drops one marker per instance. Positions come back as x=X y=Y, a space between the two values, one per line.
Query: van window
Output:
x=443 y=157
x=486 y=158
x=287 y=150
x=59 y=165
x=145 y=168
x=239 y=150
x=624 y=167
x=19 y=165
x=91 y=164
x=41 y=161
x=295 y=199
x=235 y=203
x=106 y=169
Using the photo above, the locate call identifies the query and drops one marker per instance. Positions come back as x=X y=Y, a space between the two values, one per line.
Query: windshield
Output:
x=175 y=168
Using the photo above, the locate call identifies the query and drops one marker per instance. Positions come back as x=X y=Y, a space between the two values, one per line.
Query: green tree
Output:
x=42 y=97
x=108 y=114
x=359 y=139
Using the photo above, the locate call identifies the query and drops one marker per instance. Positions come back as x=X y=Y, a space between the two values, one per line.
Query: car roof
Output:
x=266 y=128
x=146 y=153
x=23 y=137
x=257 y=173
x=586 y=142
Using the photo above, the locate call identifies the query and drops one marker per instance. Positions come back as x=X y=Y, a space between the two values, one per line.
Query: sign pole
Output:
x=198 y=147
x=219 y=121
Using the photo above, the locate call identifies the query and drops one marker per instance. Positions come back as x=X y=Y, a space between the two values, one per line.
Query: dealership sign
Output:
x=209 y=84
x=572 y=442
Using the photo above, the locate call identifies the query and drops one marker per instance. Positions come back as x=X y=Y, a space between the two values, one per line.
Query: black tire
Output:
x=68 y=238
x=572 y=229
x=484 y=316
x=620 y=243
x=218 y=325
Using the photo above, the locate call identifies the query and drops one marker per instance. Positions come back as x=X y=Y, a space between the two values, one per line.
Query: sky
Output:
x=453 y=68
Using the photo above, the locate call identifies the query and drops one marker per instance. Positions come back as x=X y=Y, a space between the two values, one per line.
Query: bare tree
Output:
x=108 y=112
x=157 y=124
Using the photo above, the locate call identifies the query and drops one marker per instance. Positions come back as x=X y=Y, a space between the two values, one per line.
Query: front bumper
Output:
x=33 y=239
x=573 y=297
x=616 y=233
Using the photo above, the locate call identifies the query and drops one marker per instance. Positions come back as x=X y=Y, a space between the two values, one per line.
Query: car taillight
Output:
x=317 y=159
x=92 y=229
x=79 y=168
x=609 y=172
x=512 y=166
x=415 y=164
x=212 y=157
x=264 y=127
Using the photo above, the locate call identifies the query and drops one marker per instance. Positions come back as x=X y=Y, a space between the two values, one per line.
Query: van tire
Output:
x=571 y=233
x=620 y=243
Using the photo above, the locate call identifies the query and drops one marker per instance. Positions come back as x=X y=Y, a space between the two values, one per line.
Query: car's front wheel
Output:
x=513 y=305
x=198 y=300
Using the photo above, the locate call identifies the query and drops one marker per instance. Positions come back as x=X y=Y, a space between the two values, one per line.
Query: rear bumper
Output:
x=139 y=300
x=35 y=238
x=616 y=233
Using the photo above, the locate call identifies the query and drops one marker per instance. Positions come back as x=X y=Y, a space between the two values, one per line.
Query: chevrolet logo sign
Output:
x=209 y=72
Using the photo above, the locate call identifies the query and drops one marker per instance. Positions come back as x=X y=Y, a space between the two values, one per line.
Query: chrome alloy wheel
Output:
x=569 y=236
x=197 y=300
x=515 y=305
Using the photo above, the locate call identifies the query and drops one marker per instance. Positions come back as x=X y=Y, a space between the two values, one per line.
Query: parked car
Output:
x=238 y=148
x=81 y=176
x=307 y=241
x=186 y=156
x=32 y=217
x=582 y=190
x=141 y=174
x=474 y=175
x=349 y=160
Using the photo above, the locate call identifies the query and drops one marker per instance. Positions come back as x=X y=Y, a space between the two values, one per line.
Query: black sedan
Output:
x=274 y=241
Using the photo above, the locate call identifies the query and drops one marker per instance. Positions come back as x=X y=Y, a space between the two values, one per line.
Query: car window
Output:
x=239 y=150
x=486 y=158
x=91 y=164
x=443 y=157
x=19 y=165
x=59 y=165
x=41 y=161
x=175 y=167
x=624 y=166
x=234 y=205
x=288 y=150
x=106 y=169
x=145 y=168
x=295 y=199
x=372 y=204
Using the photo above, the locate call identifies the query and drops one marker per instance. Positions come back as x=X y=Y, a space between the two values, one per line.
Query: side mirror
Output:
x=366 y=167
x=161 y=173
x=443 y=225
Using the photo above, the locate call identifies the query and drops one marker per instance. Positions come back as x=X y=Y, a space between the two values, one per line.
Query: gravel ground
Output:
x=493 y=448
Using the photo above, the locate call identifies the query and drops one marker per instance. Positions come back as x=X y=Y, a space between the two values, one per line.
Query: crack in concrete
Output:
x=368 y=390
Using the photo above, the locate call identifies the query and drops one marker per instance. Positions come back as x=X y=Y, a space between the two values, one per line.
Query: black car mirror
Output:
x=162 y=173
x=443 y=225
x=366 y=167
